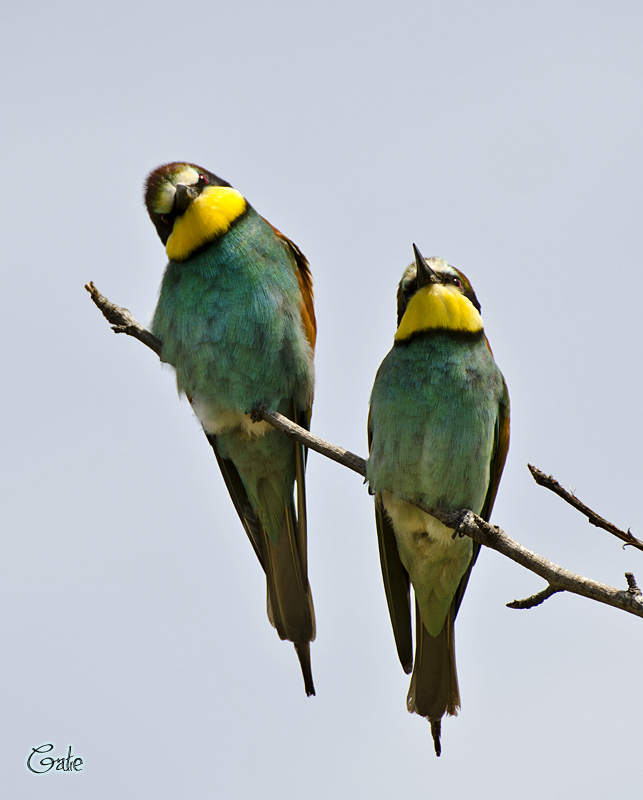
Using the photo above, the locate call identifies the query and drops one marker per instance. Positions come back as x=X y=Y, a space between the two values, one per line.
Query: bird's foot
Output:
x=256 y=415
x=459 y=530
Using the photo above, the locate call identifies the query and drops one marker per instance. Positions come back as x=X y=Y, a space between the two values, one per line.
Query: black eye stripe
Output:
x=447 y=278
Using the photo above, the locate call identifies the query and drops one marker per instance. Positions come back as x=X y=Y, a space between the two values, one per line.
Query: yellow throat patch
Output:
x=438 y=307
x=207 y=217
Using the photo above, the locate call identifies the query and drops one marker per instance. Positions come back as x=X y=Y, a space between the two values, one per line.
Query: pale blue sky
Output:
x=503 y=137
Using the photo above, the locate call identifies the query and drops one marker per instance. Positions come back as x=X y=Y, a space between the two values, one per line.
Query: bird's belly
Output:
x=407 y=518
x=217 y=419
x=434 y=559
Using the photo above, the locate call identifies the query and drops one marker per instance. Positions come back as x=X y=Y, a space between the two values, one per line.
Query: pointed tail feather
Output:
x=434 y=688
x=436 y=730
x=303 y=652
x=290 y=603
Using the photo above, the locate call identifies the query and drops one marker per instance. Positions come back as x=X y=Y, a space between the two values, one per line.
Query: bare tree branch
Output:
x=464 y=522
x=549 y=482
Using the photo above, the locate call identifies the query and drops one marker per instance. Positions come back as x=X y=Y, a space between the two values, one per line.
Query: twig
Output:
x=463 y=522
x=549 y=482
x=632 y=586
x=535 y=599
x=122 y=321
x=558 y=578
x=294 y=431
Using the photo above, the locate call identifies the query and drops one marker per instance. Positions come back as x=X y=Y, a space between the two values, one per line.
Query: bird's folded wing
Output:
x=305 y=280
x=498 y=458
x=396 y=586
x=240 y=499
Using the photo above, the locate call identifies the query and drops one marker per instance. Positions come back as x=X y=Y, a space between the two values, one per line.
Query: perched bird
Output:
x=236 y=319
x=438 y=435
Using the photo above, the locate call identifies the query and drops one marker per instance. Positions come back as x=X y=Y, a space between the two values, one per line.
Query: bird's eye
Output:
x=203 y=180
x=457 y=282
x=164 y=219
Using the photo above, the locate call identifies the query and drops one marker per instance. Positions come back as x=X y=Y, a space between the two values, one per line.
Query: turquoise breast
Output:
x=434 y=409
x=229 y=319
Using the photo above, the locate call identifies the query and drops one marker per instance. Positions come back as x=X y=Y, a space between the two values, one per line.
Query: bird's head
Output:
x=433 y=295
x=190 y=207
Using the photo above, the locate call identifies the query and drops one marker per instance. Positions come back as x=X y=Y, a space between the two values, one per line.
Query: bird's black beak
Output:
x=184 y=196
x=425 y=274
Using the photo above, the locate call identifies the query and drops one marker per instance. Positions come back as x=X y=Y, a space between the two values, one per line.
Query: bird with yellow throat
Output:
x=235 y=317
x=438 y=435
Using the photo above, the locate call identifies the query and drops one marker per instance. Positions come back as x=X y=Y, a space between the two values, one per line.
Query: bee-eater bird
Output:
x=438 y=435
x=236 y=319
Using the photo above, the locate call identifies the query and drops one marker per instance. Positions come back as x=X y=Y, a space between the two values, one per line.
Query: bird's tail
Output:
x=290 y=602
x=278 y=536
x=434 y=688
x=303 y=652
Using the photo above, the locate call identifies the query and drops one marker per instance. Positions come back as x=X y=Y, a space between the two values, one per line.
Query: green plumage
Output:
x=434 y=406
x=434 y=409
x=438 y=433
x=231 y=320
